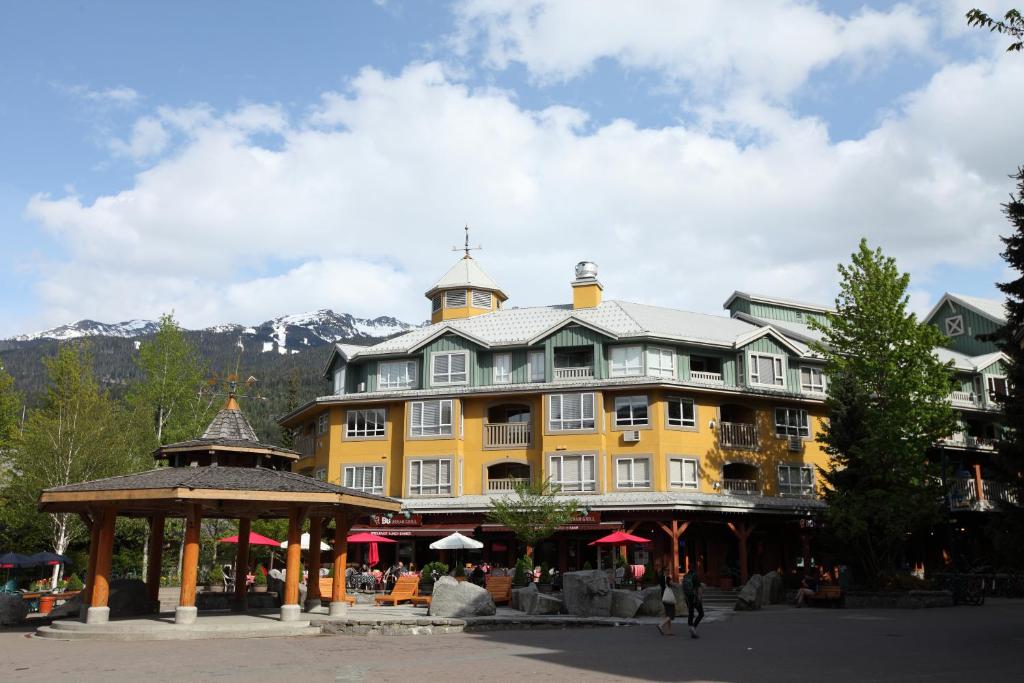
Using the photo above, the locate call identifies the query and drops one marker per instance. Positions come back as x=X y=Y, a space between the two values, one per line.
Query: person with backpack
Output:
x=668 y=600
x=693 y=593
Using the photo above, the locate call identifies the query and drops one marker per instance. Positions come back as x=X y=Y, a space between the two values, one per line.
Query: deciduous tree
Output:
x=532 y=512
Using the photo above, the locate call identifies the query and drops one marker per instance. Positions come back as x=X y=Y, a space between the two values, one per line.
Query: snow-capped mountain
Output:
x=285 y=334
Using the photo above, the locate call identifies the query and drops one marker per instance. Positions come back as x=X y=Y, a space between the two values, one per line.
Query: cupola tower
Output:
x=464 y=291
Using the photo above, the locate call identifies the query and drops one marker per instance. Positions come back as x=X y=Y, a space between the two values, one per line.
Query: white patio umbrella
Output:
x=456 y=541
x=304 y=544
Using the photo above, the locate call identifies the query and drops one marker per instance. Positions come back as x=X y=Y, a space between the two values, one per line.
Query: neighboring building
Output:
x=677 y=426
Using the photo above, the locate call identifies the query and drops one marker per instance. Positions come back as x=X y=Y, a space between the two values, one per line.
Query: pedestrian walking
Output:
x=668 y=600
x=693 y=593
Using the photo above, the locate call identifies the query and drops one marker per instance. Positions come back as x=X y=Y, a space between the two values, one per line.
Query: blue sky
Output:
x=237 y=161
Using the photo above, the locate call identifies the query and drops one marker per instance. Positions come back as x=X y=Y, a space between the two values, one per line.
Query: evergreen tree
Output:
x=887 y=407
x=10 y=411
x=1008 y=528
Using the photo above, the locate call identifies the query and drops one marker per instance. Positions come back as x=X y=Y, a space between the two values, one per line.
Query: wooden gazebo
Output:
x=226 y=473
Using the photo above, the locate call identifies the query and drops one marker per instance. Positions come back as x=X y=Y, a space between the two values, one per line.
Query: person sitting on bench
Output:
x=808 y=587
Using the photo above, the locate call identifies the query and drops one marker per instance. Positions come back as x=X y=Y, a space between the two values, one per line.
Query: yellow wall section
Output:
x=586 y=296
x=463 y=312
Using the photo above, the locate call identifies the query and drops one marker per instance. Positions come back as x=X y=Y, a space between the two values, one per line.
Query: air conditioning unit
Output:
x=631 y=436
x=362 y=387
x=796 y=444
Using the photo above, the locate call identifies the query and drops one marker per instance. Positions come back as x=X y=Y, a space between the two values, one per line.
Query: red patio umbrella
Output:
x=254 y=539
x=617 y=538
x=373 y=540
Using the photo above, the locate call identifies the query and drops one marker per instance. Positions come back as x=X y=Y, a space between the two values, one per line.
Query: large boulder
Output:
x=651 y=604
x=453 y=598
x=771 y=588
x=128 y=598
x=749 y=597
x=13 y=610
x=515 y=602
x=587 y=593
x=626 y=603
x=533 y=601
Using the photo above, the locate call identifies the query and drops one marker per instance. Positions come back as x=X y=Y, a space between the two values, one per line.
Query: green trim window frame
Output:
x=631 y=411
x=573 y=473
x=321 y=423
x=430 y=477
x=430 y=418
x=796 y=479
x=998 y=386
x=626 y=360
x=537 y=363
x=320 y=474
x=396 y=374
x=571 y=412
x=339 y=381
x=661 y=361
x=365 y=478
x=682 y=412
x=449 y=367
x=365 y=423
x=812 y=380
x=683 y=473
x=767 y=369
x=792 y=422
x=502 y=368
x=633 y=472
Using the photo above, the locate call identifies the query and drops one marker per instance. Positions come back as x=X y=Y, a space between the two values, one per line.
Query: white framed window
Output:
x=796 y=480
x=339 y=381
x=455 y=298
x=449 y=367
x=632 y=473
x=791 y=422
x=435 y=303
x=365 y=478
x=321 y=423
x=396 y=374
x=570 y=411
x=573 y=473
x=954 y=326
x=812 y=380
x=625 y=361
x=681 y=412
x=481 y=299
x=630 y=411
x=502 y=368
x=537 y=366
x=430 y=477
x=766 y=369
x=430 y=418
x=320 y=474
x=661 y=362
x=998 y=386
x=682 y=473
x=368 y=422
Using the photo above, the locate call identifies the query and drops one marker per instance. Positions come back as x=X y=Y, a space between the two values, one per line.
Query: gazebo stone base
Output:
x=291 y=613
x=97 y=615
x=338 y=609
x=185 y=615
x=312 y=604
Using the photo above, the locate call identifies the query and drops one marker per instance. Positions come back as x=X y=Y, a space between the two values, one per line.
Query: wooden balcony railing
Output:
x=574 y=373
x=965 y=399
x=737 y=435
x=705 y=377
x=305 y=445
x=963 y=494
x=505 y=485
x=507 y=434
x=967 y=441
x=743 y=487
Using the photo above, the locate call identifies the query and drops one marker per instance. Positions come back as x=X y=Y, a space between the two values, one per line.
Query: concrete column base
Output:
x=185 y=615
x=240 y=605
x=97 y=615
x=338 y=609
x=83 y=611
x=312 y=604
x=291 y=613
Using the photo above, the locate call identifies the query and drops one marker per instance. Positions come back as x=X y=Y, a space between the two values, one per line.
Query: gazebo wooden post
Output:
x=92 y=523
x=241 y=601
x=742 y=532
x=675 y=533
x=186 y=612
x=342 y=525
x=316 y=525
x=156 y=547
x=99 y=612
x=290 y=609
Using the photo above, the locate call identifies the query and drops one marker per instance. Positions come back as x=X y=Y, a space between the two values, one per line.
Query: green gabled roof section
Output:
x=992 y=309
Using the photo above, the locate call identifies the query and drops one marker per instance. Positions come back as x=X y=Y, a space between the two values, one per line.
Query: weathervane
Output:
x=466 y=248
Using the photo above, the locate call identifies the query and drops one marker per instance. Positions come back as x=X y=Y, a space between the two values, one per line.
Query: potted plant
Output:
x=523 y=573
x=431 y=572
x=544 y=583
x=216 y=579
x=74 y=584
x=260 y=581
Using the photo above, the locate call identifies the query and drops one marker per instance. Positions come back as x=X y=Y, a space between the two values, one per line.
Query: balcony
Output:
x=741 y=487
x=961 y=440
x=963 y=494
x=573 y=363
x=507 y=485
x=507 y=435
x=584 y=372
x=738 y=435
x=706 y=377
x=305 y=445
x=966 y=399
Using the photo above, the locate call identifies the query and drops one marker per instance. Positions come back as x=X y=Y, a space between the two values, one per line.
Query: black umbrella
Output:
x=46 y=558
x=11 y=560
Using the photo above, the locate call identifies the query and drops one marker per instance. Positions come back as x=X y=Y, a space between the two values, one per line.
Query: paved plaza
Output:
x=777 y=644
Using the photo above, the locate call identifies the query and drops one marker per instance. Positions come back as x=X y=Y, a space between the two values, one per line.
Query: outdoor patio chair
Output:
x=10 y=587
x=405 y=590
x=500 y=588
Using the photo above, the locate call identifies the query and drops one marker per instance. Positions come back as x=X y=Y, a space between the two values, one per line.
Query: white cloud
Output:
x=769 y=47
x=356 y=207
x=148 y=139
x=119 y=96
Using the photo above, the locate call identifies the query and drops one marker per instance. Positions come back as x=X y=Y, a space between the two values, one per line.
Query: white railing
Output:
x=967 y=441
x=743 y=487
x=737 y=435
x=965 y=399
x=574 y=373
x=963 y=494
x=706 y=377
x=506 y=434
x=998 y=491
x=505 y=485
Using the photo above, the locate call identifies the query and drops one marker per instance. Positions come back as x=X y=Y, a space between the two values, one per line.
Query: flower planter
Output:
x=46 y=603
x=259 y=589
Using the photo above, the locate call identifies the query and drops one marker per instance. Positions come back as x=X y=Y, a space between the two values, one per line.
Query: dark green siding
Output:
x=576 y=336
x=974 y=325
x=452 y=342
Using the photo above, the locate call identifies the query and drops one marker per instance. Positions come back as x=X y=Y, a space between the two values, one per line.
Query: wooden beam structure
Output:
x=675 y=533
x=342 y=525
x=155 y=550
x=100 y=593
x=316 y=526
x=742 y=531
x=190 y=558
x=242 y=564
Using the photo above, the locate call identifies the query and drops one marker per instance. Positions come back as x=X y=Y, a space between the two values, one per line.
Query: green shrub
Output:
x=545 y=573
x=587 y=566
x=650 y=576
x=523 y=571
x=432 y=568
x=216 y=574
x=75 y=583
x=261 y=576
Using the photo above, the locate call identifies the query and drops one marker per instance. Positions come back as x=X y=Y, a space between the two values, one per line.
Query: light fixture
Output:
x=711 y=425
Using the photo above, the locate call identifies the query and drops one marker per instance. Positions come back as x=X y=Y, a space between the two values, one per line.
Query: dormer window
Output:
x=455 y=298
x=766 y=369
x=450 y=368
x=481 y=299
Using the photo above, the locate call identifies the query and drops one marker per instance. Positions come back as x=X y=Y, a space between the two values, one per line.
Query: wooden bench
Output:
x=500 y=588
x=828 y=594
x=405 y=590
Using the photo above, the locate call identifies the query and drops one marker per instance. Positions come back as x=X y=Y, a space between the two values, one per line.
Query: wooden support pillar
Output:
x=675 y=533
x=978 y=483
x=290 y=609
x=92 y=523
x=242 y=564
x=742 y=531
x=156 y=547
x=342 y=524
x=186 y=612
x=98 y=612
x=316 y=525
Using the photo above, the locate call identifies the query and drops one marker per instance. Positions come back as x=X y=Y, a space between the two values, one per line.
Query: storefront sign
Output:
x=397 y=520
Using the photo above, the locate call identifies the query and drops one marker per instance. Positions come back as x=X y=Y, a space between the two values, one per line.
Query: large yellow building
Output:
x=697 y=431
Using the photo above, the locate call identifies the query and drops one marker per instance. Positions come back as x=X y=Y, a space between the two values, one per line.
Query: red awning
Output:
x=254 y=539
x=424 y=531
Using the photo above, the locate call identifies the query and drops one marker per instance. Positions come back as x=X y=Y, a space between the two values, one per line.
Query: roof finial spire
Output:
x=466 y=248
